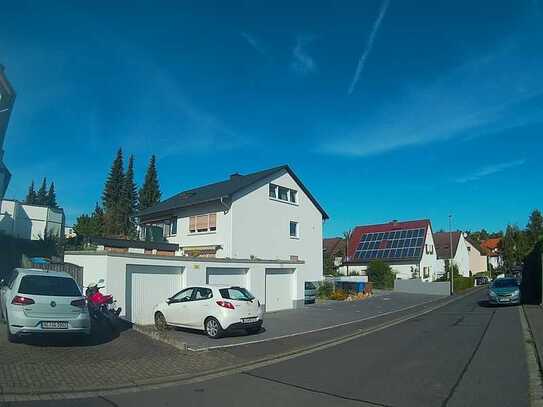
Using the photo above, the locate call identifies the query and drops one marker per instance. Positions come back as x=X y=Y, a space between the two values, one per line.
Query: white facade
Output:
x=461 y=257
x=478 y=263
x=69 y=232
x=30 y=221
x=254 y=225
x=276 y=284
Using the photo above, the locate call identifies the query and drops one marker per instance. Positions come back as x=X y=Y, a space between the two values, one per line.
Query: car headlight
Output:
x=516 y=293
x=492 y=294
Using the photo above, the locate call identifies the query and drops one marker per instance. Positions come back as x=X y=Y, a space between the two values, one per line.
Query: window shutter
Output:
x=192 y=223
x=202 y=222
x=212 y=220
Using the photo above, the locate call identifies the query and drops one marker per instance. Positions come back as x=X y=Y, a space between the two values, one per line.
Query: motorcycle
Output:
x=101 y=307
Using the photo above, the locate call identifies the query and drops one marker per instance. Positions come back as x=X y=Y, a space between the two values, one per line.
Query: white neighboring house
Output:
x=7 y=98
x=408 y=247
x=69 y=232
x=478 y=260
x=460 y=253
x=30 y=221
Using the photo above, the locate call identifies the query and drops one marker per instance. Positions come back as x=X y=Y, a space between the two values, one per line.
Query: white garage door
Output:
x=227 y=276
x=279 y=289
x=149 y=289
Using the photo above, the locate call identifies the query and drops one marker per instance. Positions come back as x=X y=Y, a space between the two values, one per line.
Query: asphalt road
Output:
x=464 y=354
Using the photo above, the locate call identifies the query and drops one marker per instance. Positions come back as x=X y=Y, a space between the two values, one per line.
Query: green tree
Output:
x=90 y=225
x=130 y=199
x=52 y=197
x=41 y=195
x=112 y=198
x=149 y=194
x=515 y=246
x=535 y=226
x=380 y=274
x=31 y=195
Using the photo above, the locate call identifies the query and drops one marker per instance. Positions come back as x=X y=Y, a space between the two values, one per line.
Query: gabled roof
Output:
x=393 y=226
x=333 y=245
x=491 y=244
x=224 y=190
x=443 y=245
x=475 y=244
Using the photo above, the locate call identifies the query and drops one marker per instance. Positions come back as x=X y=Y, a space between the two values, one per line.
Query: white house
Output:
x=262 y=231
x=408 y=247
x=478 y=260
x=459 y=251
x=7 y=98
x=69 y=232
x=30 y=221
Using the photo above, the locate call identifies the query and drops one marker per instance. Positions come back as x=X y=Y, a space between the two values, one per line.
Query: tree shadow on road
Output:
x=487 y=304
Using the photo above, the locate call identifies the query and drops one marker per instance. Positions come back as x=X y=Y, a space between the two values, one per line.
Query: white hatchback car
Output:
x=39 y=301
x=214 y=309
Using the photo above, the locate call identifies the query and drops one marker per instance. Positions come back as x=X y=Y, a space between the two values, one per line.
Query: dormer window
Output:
x=283 y=193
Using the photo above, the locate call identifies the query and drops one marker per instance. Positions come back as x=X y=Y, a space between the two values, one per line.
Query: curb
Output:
x=168 y=381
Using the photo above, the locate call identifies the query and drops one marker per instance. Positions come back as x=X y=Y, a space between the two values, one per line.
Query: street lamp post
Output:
x=451 y=273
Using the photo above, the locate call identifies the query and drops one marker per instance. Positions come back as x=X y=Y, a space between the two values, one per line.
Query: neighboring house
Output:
x=30 y=221
x=460 y=253
x=69 y=232
x=478 y=260
x=7 y=98
x=408 y=247
x=492 y=247
x=133 y=246
x=335 y=247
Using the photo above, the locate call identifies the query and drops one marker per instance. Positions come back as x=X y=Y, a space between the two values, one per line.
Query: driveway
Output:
x=310 y=318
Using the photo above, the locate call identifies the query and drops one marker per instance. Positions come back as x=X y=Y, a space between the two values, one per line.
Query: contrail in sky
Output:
x=369 y=45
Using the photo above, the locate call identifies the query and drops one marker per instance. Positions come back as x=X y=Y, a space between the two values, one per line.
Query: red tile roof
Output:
x=384 y=227
x=491 y=244
x=333 y=245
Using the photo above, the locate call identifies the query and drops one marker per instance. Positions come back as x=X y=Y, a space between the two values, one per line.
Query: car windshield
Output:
x=47 y=285
x=236 y=293
x=505 y=282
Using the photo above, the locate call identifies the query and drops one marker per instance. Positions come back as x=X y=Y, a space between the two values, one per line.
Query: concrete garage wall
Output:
x=114 y=267
x=417 y=286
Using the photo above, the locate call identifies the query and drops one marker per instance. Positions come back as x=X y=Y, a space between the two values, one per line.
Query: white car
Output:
x=40 y=301
x=214 y=309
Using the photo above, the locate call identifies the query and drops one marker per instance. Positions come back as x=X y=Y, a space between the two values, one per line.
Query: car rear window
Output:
x=47 y=285
x=236 y=293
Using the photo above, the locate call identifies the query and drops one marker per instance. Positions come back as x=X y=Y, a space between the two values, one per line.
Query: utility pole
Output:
x=451 y=274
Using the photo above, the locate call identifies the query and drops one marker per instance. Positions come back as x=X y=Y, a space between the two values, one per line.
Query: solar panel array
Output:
x=393 y=245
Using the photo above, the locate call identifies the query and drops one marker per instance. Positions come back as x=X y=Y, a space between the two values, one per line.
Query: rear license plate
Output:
x=248 y=320
x=54 y=325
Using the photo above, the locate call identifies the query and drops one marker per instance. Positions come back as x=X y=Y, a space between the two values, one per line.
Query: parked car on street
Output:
x=40 y=301
x=310 y=292
x=214 y=309
x=504 y=291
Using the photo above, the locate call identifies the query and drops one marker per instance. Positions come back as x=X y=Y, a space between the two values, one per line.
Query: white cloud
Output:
x=489 y=170
x=255 y=44
x=483 y=94
x=302 y=62
x=369 y=46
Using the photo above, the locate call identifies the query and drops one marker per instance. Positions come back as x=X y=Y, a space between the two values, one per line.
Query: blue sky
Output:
x=385 y=109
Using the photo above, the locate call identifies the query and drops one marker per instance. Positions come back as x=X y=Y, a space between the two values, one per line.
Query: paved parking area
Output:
x=308 y=319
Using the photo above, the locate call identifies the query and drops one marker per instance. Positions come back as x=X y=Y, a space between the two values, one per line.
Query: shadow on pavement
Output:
x=227 y=334
x=101 y=333
x=487 y=304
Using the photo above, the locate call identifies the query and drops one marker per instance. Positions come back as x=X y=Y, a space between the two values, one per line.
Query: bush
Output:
x=338 y=295
x=380 y=274
x=462 y=283
x=325 y=290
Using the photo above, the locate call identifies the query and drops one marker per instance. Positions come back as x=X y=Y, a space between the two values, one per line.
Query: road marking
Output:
x=232 y=345
x=535 y=383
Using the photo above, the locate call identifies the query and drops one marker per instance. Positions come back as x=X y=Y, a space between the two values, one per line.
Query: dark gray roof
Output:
x=136 y=244
x=223 y=189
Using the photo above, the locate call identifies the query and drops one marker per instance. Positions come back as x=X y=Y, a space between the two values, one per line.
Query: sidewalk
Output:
x=534 y=315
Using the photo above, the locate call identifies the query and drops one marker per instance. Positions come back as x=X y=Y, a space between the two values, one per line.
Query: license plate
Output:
x=505 y=299
x=54 y=325
x=248 y=320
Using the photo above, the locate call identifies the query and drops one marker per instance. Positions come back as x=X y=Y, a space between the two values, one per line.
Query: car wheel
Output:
x=213 y=328
x=160 y=322
x=252 y=331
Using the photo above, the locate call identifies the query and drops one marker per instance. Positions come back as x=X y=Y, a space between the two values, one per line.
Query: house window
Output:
x=294 y=232
x=426 y=272
x=273 y=191
x=429 y=249
x=203 y=223
x=469 y=249
x=283 y=194
x=173 y=226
